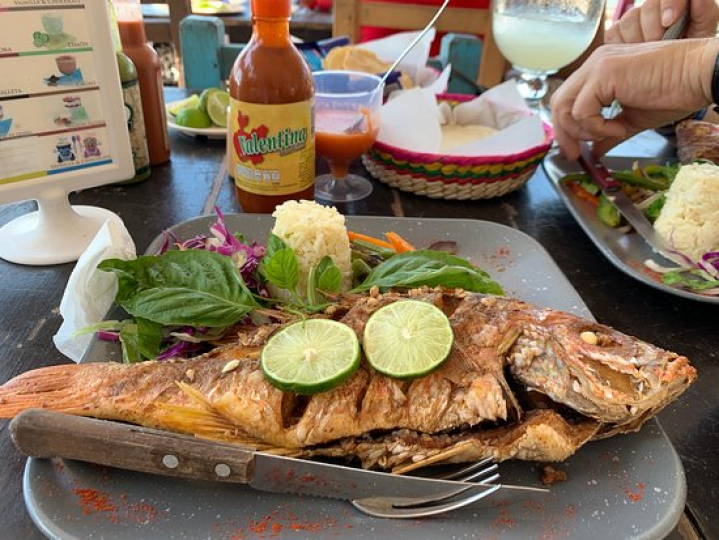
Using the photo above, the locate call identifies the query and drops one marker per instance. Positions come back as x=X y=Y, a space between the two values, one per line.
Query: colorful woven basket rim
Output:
x=403 y=154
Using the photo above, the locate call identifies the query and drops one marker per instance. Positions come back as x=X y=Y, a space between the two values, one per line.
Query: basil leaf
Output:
x=432 y=268
x=110 y=326
x=129 y=339
x=329 y=277
x=149 y=338
x=274 y=244
x=282 y=269
x=193 y=288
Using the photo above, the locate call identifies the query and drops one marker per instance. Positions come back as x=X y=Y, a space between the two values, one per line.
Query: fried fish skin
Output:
x=521 y=382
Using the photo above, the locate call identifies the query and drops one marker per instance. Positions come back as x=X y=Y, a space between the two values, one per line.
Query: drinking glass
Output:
x=347 y=105
x=539 y=37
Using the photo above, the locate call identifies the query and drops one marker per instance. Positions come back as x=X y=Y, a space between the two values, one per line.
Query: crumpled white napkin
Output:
x=89 y=293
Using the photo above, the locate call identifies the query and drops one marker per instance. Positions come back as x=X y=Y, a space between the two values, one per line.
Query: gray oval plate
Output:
x=625 y=251
x=628 y=487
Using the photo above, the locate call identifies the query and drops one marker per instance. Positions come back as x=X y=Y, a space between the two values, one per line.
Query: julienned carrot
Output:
x=372 y=240
x=582 y=193
x=398 y=243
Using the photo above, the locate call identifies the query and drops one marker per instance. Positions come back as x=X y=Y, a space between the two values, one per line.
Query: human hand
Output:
x=649 y=21
x=656 y=83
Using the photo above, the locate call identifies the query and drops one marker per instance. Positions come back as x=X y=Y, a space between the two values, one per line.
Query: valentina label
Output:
x=251 y=145
x=285 y=142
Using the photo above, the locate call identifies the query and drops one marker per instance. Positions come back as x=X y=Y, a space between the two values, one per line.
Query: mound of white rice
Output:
x=314 y=231
x=689 y=220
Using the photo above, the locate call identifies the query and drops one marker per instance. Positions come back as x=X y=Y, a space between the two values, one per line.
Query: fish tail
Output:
x=56 y=388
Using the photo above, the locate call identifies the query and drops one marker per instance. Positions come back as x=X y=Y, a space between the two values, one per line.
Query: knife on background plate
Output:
x=613 y=191
x=45 y=434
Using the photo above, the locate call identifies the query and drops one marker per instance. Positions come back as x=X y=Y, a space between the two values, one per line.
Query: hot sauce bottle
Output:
x=271 y=139
x=149 y=75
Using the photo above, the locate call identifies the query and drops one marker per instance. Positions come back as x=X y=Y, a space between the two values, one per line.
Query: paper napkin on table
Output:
x=90 y=293
x=413 y=120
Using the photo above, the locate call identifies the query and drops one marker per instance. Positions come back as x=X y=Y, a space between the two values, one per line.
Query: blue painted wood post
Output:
x=463 y=51
x=202 y=39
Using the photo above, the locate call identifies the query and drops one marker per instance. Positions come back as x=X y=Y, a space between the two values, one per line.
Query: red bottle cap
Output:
x=272 y=9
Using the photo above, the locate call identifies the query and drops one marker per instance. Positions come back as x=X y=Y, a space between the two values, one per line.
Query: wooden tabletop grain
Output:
x=193 y=183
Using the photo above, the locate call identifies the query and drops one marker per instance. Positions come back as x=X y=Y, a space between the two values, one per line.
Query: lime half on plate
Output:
x=217 y=104
x=407 y=339
x=311 y=356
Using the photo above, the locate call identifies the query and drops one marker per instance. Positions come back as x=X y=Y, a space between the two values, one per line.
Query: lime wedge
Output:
x=193 y=118
x=191 y=101
x=311 y=356
x=217 y=105
x=407 y=339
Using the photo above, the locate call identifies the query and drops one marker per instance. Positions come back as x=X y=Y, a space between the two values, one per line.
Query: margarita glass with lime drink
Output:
x=539 y=37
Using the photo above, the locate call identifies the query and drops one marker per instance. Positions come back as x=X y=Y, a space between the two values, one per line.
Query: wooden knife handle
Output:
x=45 y=434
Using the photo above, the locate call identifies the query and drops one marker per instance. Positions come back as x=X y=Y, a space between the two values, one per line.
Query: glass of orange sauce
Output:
x=347 y=115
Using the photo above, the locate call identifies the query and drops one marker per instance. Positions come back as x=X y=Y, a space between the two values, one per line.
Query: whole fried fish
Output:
x=521 y=382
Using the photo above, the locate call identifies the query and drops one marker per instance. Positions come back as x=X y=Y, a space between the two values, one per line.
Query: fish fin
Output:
x=200 y=422
x=440 y=457
x=55 y=388
x=203 y=420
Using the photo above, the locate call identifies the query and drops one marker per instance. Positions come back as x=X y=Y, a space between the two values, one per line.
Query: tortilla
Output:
x=351 y=58
x=456 y=135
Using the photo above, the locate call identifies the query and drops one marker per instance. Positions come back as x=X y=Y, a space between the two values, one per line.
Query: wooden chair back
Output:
x=162 y=30
x=208 y=58
x=351 y=15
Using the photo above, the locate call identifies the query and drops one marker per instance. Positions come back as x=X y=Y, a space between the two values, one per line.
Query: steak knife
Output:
x=45 y=434
x=613 y=191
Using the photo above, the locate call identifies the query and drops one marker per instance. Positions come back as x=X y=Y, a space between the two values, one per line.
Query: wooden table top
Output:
x=190 y=186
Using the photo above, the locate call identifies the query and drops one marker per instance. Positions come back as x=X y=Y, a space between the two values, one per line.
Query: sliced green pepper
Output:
x=654 y=183
x=654 y=209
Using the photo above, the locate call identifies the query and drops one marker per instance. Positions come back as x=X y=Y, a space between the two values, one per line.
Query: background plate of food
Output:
x=625 y=487
x=218 y=7
x=681 y=202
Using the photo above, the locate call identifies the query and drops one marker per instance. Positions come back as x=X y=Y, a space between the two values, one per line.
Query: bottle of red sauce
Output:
x=271 y=140
x=149 y=75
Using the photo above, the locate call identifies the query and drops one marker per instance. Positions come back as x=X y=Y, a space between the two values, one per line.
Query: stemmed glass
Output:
x=539 y=37
x=347 y=105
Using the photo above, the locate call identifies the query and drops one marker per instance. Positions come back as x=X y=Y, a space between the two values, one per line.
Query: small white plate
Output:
x=213 y=132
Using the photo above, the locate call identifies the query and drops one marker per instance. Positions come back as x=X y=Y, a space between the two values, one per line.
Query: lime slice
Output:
x=217 y=105
x=193 y=118
x=191 y=101
x=407 y=339
x=311 y=356
x=205 y=96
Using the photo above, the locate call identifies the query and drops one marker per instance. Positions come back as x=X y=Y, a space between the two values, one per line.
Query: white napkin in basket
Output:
x=413 y=119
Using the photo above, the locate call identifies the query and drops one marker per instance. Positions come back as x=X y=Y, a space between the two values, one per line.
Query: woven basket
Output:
x=440 y=176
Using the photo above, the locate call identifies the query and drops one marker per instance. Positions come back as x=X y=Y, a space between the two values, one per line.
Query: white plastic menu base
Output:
x=56 y=233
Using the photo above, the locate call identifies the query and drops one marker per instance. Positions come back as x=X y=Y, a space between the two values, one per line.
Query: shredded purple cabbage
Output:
x=181 y=349
x=247 y=257
x=106 y=335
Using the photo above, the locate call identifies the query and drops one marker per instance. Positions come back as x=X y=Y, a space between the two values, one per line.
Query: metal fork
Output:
x=410 y=508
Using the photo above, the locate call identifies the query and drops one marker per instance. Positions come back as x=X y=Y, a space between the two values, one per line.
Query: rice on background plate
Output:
x=689 y=220
x=314 y=231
